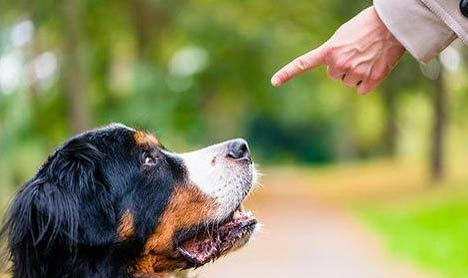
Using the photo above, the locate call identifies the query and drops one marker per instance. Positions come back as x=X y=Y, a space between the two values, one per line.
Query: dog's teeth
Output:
x=237 y=214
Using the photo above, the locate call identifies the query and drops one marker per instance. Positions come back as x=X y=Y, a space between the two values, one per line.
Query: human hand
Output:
x=361 y=53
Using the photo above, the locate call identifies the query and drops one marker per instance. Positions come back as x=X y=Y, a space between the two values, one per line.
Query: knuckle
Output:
x=341 y=65
x=333 y=51
x=349 y=83
x=300 y=64
x=330 y=71
x=331 y=55
x=375 y=77
x=284 y=76
x=332 y=76
x=360 y=73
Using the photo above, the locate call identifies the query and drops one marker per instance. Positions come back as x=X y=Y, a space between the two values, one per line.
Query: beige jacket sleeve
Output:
x=424 y=27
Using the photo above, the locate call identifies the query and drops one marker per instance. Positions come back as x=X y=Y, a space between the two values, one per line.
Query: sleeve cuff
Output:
x=420 y=31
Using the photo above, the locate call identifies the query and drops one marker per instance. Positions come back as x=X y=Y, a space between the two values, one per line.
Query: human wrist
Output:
x=421 y=32
x=382 y=28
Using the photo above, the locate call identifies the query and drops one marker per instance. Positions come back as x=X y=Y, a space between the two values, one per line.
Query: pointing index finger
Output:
x=299 y=65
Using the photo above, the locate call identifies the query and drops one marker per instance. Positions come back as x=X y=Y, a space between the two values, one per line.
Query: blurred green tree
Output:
x=196 y=72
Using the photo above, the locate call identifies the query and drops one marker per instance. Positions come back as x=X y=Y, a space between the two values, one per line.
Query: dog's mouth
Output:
x=204 y=244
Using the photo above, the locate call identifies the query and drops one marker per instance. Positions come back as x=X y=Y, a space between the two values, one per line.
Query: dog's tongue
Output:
x=207 y=246
x=199 y=250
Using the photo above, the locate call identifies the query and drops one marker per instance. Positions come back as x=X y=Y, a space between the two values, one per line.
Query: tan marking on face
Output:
x=188 y=207
x=126 y=229
x=142 y=138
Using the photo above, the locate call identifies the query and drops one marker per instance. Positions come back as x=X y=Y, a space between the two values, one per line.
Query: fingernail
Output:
x=363 y=93
x=275 y=81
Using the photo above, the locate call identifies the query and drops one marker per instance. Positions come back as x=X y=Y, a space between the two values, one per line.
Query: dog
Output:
x=114 y=202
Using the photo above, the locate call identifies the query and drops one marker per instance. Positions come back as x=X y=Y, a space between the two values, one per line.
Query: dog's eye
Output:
x=149 y=160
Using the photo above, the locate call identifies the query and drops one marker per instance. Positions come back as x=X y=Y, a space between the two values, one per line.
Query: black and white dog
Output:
x=113 y=202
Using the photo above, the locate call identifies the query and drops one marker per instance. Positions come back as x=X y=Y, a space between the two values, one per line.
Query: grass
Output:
x=432 y=233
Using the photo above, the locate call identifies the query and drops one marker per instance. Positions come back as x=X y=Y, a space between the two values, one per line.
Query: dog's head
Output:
x=114 y=200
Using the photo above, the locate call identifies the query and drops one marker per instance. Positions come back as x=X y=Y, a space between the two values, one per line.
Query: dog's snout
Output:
x=238 y=149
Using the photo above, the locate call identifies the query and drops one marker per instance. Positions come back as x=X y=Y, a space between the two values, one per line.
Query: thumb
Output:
x=306 y=62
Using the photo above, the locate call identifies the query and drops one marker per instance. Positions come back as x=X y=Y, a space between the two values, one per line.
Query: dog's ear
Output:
x=83 y=179
x=65 y=204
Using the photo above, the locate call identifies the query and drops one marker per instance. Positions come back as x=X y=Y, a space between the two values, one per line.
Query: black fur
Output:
x=63 y=223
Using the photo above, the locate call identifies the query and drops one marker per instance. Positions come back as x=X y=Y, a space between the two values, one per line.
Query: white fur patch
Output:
x=222 y=178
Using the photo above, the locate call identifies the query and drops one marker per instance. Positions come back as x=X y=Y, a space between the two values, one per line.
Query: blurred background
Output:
x=354 y=186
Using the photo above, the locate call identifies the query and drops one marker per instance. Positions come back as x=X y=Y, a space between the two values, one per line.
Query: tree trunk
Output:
x=391 y=131
x=32 y=51
x=73 y=67
x=142 y=20
x=439 y=128
x=147 y=21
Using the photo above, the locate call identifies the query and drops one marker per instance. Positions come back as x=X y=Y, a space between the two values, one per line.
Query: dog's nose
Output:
x=238 y=149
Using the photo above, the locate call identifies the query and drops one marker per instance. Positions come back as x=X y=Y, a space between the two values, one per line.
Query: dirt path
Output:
x=303 y=238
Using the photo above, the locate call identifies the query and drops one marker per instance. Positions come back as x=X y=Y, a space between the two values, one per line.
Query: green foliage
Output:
x=135 y=72
x=431 y=233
